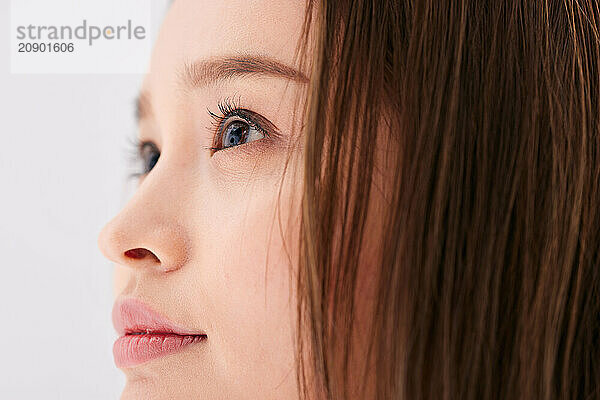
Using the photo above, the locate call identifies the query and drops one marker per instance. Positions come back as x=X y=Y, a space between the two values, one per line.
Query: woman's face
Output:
x=207 y=240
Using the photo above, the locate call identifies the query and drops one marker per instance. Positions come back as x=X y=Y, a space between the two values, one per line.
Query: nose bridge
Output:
x=150 y=230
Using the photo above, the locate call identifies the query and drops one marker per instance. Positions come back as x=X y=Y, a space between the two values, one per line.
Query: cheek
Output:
x=254 y=291
x=121 y=276
x=259 y=279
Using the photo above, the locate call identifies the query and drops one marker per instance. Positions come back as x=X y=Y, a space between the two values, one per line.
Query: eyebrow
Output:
x=202 y=73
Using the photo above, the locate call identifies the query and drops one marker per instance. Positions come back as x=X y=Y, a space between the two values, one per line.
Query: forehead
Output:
x=196 y=30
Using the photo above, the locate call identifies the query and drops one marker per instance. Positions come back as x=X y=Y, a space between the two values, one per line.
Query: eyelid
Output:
x=146 y=143
x=137 y=147
x=147 y=146
x=249 y=116
x=259 y=122
x=229 y=109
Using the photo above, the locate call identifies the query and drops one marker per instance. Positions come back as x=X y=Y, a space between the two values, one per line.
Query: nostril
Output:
x=139 y=253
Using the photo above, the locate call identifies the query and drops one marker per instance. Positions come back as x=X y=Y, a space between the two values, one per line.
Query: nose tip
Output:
x=117 y=246
x=105 y=243
x=144 y=242
x=150 y=230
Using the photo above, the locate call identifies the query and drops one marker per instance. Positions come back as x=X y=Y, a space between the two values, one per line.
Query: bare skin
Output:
x=216 y=224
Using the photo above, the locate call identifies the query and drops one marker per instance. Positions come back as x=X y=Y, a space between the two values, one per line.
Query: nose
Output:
x=147 y=233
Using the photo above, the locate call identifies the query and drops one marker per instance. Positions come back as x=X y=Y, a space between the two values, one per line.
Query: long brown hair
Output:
x=487 y=269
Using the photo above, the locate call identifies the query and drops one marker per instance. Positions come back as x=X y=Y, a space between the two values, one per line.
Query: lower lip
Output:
x=131 y=350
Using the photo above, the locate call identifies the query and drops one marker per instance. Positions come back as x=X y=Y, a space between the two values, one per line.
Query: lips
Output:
x=145 y=335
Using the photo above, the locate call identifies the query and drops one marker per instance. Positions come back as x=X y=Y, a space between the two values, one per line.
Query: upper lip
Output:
x=131 y=316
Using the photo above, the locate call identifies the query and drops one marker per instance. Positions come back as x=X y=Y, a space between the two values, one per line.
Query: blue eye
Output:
x=236 y=133
x=149 y=155
x=235 y=126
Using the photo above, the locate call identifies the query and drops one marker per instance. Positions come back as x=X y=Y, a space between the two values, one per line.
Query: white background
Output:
x=63 y=164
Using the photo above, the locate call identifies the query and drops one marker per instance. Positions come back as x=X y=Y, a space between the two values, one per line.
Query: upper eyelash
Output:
x=135 y=149
x=134 y=145
x=229 y=107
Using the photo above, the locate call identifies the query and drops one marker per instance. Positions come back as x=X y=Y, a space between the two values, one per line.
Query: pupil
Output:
x=153 y=160
x=149 y=156
x=235 y=134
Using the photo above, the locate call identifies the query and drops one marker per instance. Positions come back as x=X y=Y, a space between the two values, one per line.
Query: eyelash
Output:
x=228 y=108
x=137 y=156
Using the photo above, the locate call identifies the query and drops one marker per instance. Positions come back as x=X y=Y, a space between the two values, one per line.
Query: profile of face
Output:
x=203 y=254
